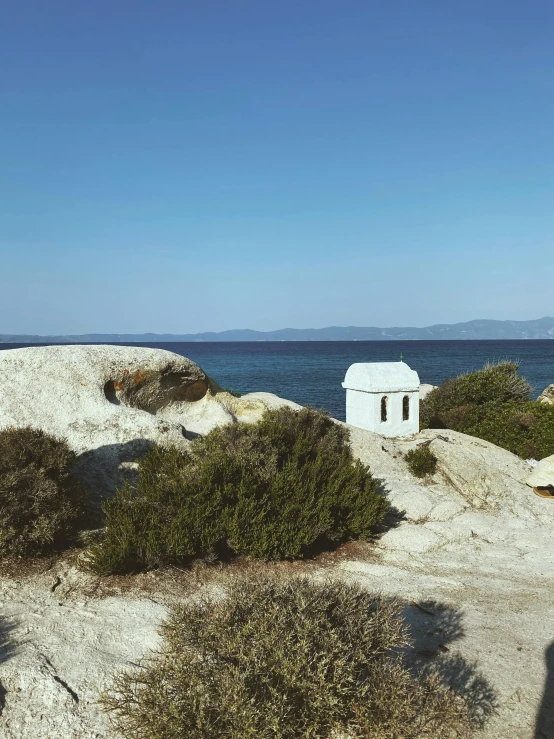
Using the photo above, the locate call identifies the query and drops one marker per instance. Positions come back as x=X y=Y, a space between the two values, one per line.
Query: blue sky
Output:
x=191 y=166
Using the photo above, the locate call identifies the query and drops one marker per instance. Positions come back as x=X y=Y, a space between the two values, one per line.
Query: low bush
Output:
x=234 y=393
x=271 y=490
x=525 y=429
x=493 y=404
x=276 y=660
x=421 y=461
x=495 y=383
x=39 y=500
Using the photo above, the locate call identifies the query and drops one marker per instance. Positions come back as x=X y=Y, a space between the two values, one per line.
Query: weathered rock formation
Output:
x=469 y=551
x=543 y=474
x=112 y=403
x=470 y=554
x=547 y=395
x=473 y=545
x=424 y=390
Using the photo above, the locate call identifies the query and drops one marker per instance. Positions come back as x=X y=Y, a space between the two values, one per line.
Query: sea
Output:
x=311 y=372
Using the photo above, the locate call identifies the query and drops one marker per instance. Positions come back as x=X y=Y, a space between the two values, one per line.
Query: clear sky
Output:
x=179 y=166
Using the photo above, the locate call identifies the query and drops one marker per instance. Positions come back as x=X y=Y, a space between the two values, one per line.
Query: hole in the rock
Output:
x=156 y=391
x=172 y=380
x=196 y=391
x=191 y=435
x=178 y=386
x=109 y=392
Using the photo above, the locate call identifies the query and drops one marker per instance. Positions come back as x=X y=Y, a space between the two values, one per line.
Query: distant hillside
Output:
x=541 y=328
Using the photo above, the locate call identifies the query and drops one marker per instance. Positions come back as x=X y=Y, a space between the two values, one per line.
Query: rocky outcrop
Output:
x=486 y=476
x=474 y=570
x=112 y=403
x=471 y=474
x=468 y=550
x=472 y=545
x=60 y=650
x=424 y=390
x=547 y=395
x=543 y=474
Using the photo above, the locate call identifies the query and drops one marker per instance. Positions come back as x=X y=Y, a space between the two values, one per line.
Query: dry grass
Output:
x=172 y=584
x=284 y=659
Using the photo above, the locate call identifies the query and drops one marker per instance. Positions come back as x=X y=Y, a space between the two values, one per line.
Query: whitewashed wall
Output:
x=363 y=410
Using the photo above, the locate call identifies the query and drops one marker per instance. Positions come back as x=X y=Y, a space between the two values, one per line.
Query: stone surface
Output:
x=471 y=472
x=424 y=390
x=112 y=403
x=487 y=476
x=543 y=473
x=59 y=650
x=547 y=395
x=485 y=575
x=411 y=538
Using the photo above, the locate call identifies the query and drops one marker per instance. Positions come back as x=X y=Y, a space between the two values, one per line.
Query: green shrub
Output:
x=276 y=660
x=525 y=429
x=421 y=461
x=271 y=490
x=493 y=404
x=234 y=393
x=39 y=500
x=499 y=383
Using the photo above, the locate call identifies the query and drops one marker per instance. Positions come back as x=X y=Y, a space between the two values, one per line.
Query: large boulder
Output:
x=471 y=474
x=112 y=403
x=469 y=551
x=487 y=476
x=543 y=474
x=547 y=395
x=425 y=389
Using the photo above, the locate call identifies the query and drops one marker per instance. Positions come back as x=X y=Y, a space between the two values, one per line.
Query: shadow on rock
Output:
x=102 y=469
x=7 y=649
x=394 y=516
x=544 y=727
x=434 y=629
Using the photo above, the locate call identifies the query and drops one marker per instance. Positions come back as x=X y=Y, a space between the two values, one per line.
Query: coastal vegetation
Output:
x=245 y=656
x=277 y=489
x=421 y=461
x=288 y=660
x=40 y=501
x=495 y=404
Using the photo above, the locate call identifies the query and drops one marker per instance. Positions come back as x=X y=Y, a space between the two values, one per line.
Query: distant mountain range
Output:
x=541 y=328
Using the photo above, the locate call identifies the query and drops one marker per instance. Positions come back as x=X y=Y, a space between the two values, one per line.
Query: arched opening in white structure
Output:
x=384 y=408
x=406 y=408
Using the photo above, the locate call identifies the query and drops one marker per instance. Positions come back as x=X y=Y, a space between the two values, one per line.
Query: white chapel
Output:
x=383 y=397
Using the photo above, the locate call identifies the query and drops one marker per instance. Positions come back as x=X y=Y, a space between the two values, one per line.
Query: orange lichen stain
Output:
x=125 y=371
x=117 y=385
x=139 y=377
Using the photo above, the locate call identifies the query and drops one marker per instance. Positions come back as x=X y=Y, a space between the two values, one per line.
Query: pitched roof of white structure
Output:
x=381 y=377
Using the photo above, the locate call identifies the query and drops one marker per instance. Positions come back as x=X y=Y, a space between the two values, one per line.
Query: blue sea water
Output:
x=311 y=372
